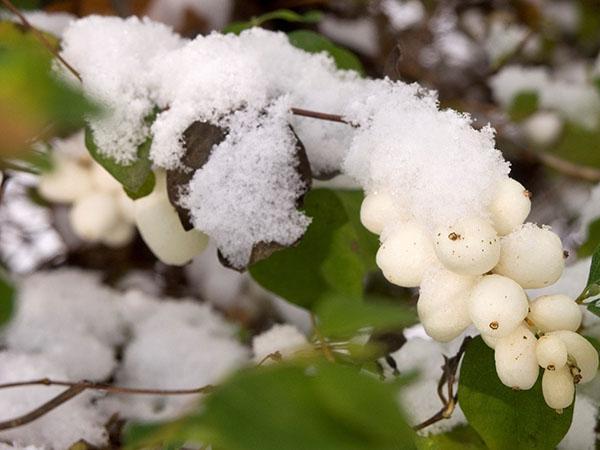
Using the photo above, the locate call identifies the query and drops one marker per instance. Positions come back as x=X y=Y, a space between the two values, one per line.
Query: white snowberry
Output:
x=103 y=180
x=581 y=352
x=516 y=362
x=532 y=256
x=67 y=182
x=489 y=340
x=378 y=210
x=442 y=304
x=555 y=312
x=120 y=235
x=405 y=254
x=551 y=352
x=510 y=206
x=94 y=215
x=497 y=305
x=558 y=388
x=161 y=229
x=471 y=247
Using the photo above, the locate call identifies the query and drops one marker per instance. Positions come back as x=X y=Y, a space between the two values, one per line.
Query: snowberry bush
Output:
x=330 y=190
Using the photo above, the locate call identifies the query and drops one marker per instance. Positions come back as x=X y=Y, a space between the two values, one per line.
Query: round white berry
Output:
x=558 y=388
x=442 y=304
x=67 y=182
x=94 y=215
x=471 y=247
x=581 y=352
x=532 y=256
x=120 y=235
x=497 y=305
x=405 y=254
x=161 y=229
x=555 y=312
x=489 y=340
x=510 y=206
x=551 y=352
x=516 y=362
x=543 y=128
x=126 y=206
x=378 y=210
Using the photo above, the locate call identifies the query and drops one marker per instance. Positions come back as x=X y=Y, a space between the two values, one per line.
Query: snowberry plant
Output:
x=224 y=138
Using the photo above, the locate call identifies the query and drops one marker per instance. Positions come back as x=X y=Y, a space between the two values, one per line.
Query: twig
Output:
x=40 y=36
x=76 y=388
x=447 y=379
x=324 y=346
x=51 y=404
x=568 y=168
x=320 y=116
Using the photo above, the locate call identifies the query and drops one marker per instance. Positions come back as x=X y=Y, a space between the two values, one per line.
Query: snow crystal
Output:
x=174 y=345
x=232 y=196
x=59 y=429
x=578 y=102
x=285 y=339
x=433 y=161
x=113 y=57
x=69 y=317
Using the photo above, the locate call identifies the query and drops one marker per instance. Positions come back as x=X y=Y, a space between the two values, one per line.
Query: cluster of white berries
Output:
x=102 y=212
x=475 y=272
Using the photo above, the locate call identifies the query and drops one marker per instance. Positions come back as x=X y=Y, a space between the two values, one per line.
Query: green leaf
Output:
x=592 y=288
x=593 y=240
x=280 y=14
x=297 y=407
x=505 y=418
x=137 y=178
x=341 y=318
x=523 y=105
x=7 y=297
x=333 y=257
x=578 y=145
x=460 y=438
x=315 y=43
x=34 y=103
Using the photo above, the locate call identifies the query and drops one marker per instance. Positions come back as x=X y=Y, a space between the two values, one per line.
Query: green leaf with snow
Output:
x=316 y=43
x=286 y=15
x=333 y=257
x=298 y=406
x=137 y=178
x=7 y=297
x=506 y=419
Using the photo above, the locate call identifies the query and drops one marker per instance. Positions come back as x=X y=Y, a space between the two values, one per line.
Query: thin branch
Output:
x=107 y=387
x=324 y=345
x=51 y=404
x=76 y=388
x=320 y=116
x=568 y=168
x=40 y=36
x=448 y=378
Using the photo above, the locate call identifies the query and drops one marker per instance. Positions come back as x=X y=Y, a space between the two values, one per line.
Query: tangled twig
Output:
x=448 y=378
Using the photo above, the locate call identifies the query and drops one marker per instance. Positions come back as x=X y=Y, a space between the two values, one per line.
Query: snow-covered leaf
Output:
x=315 y=43
x=333 y=257
x=137 y=178
x=506 y=418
